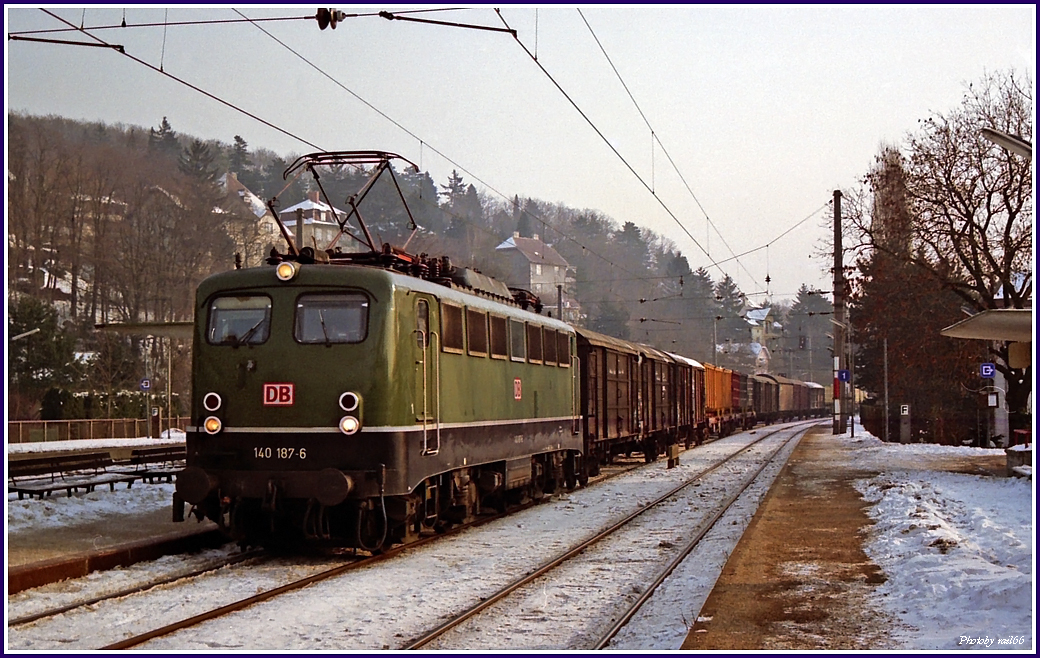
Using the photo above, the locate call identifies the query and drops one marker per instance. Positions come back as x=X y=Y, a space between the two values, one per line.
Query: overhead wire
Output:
x=655 y=138
x=768 y=244
x=212 y=96
x=611 y=146
x=229 y=104
x=235 y=107
x=222 y=21
x=416 y=137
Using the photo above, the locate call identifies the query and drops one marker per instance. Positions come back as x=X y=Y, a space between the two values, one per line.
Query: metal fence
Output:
x=34 y=431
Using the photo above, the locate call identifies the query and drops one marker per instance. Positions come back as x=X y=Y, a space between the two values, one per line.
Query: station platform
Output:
x=127 y=531
x=71 y=542
x=40 y=558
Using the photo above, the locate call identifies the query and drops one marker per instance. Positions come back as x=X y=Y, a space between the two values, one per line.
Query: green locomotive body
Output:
x=356 y=404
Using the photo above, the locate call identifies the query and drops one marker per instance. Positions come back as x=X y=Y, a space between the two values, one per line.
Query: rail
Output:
x=35 y=431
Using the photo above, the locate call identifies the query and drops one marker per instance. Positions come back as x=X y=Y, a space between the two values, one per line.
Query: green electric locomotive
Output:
x=358 y=399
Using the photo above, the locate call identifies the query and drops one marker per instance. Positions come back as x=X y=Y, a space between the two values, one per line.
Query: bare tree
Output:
x=968 y=209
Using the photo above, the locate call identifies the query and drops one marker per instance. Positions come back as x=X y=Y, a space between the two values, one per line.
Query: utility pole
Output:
x=885 y=343
x=839 y=315
x=169 y=389
x=850 y=408
x=715 y=339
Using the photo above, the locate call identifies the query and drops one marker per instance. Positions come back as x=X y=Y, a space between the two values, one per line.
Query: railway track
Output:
x=361 y=562
x=284 y=591
x=128 y=591
x=253 y=558
x=583 y=552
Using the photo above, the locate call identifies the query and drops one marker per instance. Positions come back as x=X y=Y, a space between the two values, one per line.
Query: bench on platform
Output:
x=153 y=464
x=169 y=455
x=44 y=475
x=56 y=467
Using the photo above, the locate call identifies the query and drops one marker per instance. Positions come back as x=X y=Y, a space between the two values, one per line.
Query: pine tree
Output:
x=164 y=140
x=733 y=332
x=238 y=161
x=196 y=162
x=454 y=190
x=898 y=302
x=806 y=326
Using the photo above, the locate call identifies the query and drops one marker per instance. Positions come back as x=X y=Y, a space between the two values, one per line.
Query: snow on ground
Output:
x=56 y=511
x=957 y=549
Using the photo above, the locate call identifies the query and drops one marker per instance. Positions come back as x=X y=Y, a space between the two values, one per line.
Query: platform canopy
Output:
x=1011 y=324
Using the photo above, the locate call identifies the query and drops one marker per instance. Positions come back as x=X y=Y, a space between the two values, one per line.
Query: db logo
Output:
x=278 y=395
x=516 y=388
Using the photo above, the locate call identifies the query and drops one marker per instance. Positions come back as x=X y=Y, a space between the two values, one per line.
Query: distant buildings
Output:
x=764 y=329
x=319 y=224
x=531 y=264
x=253 y=226
x=766 y=333
x=536 y=266
x=250 y=223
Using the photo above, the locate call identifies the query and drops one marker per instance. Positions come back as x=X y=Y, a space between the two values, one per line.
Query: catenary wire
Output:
x=433 y=148
x=190 y=85
x=615 y=151
x=655 y=138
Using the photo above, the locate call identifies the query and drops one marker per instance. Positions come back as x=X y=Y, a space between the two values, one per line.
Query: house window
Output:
x=538 y=270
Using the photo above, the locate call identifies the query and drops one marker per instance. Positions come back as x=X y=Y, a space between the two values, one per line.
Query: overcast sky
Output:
x=764 y=110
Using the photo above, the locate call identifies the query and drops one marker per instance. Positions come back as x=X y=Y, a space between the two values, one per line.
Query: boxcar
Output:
x=767 y=398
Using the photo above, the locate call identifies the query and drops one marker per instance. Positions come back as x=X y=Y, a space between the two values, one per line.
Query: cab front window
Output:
x=239 y=320
x=331 y=318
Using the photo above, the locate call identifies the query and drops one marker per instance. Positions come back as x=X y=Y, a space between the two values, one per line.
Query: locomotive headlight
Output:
x=212 y=425
x=212 y=401
x=286 y=270
x=349 y=401
x=349 y=425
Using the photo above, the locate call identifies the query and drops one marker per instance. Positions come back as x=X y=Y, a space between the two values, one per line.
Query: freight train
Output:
x=363 y=399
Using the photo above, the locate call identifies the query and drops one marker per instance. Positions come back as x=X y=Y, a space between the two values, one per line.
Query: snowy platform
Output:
x=1020 y=460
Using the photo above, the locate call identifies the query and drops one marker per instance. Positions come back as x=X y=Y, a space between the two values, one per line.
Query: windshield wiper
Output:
x=247 y=335
x=321 y=318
